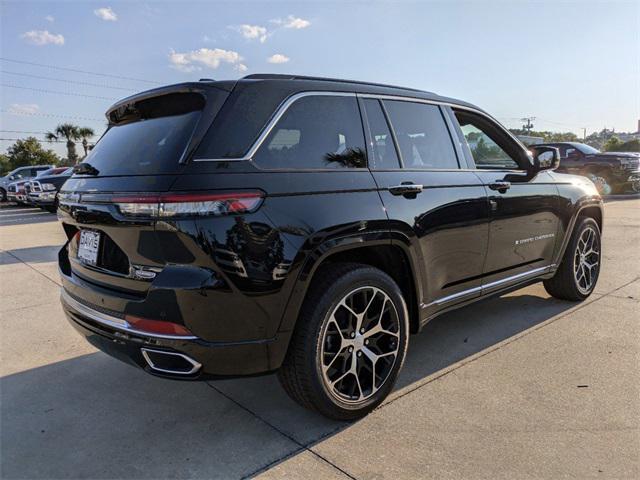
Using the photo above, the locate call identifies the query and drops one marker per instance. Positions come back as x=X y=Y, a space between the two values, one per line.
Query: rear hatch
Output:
x=109 y=207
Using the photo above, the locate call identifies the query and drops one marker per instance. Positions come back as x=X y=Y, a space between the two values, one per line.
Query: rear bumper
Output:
x=210 y=360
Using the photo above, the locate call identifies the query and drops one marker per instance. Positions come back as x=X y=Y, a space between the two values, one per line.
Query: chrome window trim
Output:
x=447 y=104
x=281 y=110
x=482 y=289
x=113 y=322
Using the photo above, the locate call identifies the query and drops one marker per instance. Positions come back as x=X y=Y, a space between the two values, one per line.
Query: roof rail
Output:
x=279 y=76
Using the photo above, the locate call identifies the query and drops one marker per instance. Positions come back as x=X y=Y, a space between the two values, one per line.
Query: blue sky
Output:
x=570 y=64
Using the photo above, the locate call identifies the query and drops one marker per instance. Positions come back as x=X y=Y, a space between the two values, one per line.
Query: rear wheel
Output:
x=578 y=273
x=3 y=195
x=349 y=344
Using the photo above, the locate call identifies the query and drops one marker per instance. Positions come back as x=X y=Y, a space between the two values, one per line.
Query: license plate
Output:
x=88 y=246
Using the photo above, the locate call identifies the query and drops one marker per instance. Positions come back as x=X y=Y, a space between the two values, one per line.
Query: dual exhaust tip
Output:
x=170 y=362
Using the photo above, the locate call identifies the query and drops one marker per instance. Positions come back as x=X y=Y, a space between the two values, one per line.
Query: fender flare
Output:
x=313 y=258
x=582 y=204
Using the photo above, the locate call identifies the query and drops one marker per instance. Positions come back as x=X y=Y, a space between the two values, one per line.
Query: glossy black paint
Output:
x=237 y=282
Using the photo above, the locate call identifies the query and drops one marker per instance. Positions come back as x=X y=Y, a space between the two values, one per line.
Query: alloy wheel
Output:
x=360 y=343
x=586 y=261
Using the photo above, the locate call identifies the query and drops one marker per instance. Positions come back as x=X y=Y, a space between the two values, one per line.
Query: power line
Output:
x=23 y=131
x=53 y=115
x=67 y=81
x=38 y=139
x=56 y=92
x=78 y=71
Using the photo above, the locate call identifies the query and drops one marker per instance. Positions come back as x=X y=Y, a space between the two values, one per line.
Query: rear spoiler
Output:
x=118 y=111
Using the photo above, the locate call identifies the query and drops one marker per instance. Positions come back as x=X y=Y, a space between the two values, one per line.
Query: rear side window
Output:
x=422 y=134
x=151 y=138
x=384 y=150
x=316 y=132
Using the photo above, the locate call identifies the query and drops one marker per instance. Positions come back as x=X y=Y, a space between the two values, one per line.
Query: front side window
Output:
x=316 y=132
x=486 y=143
x=422 y=135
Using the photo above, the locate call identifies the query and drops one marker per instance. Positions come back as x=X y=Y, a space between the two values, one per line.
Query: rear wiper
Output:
x=85 y=169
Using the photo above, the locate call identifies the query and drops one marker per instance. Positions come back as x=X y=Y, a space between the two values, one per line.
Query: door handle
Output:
x=406 y=189
x=500 y=185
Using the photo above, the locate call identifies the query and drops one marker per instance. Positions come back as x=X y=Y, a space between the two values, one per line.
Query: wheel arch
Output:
x=380 y=250
x=592 y=208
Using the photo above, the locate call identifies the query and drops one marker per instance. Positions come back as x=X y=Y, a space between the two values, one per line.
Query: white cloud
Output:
x=24 y=108
x=241 y=67
x=42 y=37
x=292 y=22
x=49 y=18
x=278 y=58
x=106 y=14
x=196 y=59
x=251 y=32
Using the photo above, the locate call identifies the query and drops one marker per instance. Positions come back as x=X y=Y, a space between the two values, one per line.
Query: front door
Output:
x=441 y=209
x=524 y=208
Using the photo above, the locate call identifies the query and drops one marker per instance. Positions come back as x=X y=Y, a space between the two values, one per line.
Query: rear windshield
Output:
x=150 y=140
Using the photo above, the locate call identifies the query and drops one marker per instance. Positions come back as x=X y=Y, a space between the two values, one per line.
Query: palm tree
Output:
x=71 y=133
x=85 y=134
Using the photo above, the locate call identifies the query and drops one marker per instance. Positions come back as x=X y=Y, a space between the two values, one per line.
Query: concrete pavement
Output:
x=520 y=386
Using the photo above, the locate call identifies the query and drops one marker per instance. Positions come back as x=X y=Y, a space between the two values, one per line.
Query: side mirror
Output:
x=12 y=177
x=544 y=158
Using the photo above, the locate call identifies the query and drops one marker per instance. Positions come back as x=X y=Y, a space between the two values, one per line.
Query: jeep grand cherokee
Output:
x=308 y=226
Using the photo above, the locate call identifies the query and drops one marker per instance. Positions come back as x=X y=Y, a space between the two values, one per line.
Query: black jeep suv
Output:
x=308 y=226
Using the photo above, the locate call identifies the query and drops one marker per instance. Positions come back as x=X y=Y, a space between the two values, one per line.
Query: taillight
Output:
x=157 y=326
x=188 y=204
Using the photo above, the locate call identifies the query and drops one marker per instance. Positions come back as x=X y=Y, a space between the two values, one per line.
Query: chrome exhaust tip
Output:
x=170 y=362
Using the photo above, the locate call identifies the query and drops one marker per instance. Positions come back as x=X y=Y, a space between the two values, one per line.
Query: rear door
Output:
x=439 y=206
x=524 y=208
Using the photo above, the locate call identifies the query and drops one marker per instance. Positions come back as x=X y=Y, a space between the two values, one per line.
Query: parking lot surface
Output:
x=519 y=386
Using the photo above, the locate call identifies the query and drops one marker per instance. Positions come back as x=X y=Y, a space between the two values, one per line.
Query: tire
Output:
x=327 y=342
x=3 y=195
x=577 y=274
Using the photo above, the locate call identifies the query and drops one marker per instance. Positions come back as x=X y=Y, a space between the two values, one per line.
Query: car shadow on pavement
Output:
x=94 y=417
x=48 y=253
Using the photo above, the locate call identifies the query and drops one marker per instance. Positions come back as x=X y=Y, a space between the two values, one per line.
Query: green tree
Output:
x=85 y=134
x=612 y=145
x=630 y=146
x=27 y=152
x=71 y=133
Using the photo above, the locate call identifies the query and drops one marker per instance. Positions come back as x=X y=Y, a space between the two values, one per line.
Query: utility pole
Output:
x=528 y=126
x=584 y=133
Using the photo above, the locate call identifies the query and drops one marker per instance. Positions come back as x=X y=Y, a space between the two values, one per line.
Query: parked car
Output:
x=16 y=192
x=21 y=173
x=42 y=191
x=308 y=226
x=613 y=172
x=28 y=186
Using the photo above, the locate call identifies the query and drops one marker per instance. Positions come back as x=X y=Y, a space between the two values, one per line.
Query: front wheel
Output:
x=578 y=272
x=349 y=344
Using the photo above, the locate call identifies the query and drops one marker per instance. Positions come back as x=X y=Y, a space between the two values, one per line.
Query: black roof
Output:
x=301 y=83
x=292 y=84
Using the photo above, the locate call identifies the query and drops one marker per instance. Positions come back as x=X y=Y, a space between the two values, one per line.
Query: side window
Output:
x=422 y=134
x=487 y=147
x=383 y=147
x=319 y=131
x=571 y=153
